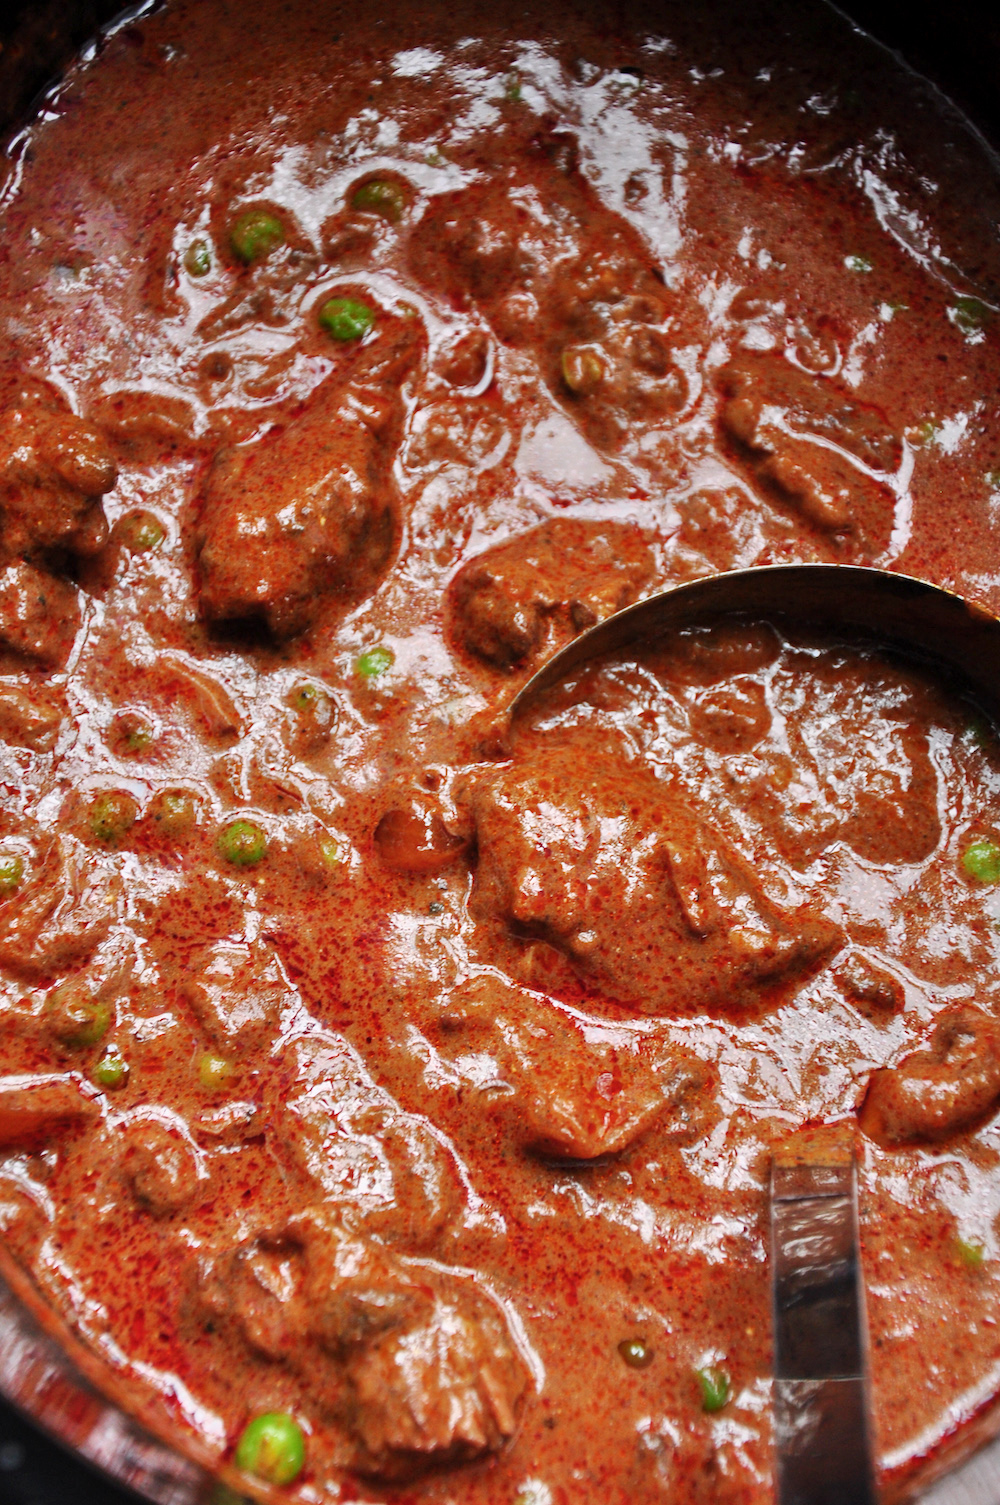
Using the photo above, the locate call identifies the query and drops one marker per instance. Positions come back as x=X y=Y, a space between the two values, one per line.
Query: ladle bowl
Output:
x=895 y=611
x=822 y=1427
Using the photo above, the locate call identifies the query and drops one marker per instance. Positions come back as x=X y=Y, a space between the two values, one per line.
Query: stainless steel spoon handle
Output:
x=821 y=1406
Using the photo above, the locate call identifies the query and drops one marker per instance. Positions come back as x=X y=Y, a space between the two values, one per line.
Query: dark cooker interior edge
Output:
x=957 y=46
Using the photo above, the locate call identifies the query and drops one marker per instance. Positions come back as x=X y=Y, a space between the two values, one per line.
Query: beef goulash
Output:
x=387 y=1095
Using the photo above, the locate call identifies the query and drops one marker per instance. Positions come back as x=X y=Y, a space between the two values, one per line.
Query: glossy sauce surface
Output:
x=358 y=1064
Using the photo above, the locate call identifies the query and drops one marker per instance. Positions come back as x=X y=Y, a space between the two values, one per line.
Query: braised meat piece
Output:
x=60 y=915
x=308 y=510
x=934 y=1093
x=33 y=1108
x=807 y=442
x=236 y=991
x=159 y=1164
x=413 y=1362
x=521 y=599
x=649 y=904
x=349 y=1138
x=441 y=1389
x=39 y=615
x=413 y=835
x=560 y=275
x=31 y=718
x=54 y=469
x=873 y=990
x=566 y=1095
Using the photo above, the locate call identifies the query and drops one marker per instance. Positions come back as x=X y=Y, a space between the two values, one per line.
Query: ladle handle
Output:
x=821 y=1411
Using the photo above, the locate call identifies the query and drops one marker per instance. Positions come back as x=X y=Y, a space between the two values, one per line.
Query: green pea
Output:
x=140 y=531
x=714 y=1385
x=255 y=234
x=981 y=861
x=970 y=1252
x=213 y=1071
x=11 y=873
x=636 y=1353
x=75 y=1016
x=132 y=733
x=512 y=88
x=374 y=661
x=857 y=263
x=379 y=196
x=346 y=318
x=272 y=1448
x=112 y=815
x=174 y=813
x=970 y=314
x=111 y=1071
x=582 y=369
x=198 y=259
x=315 y=711
x=330 y=852
x=243 y=843
x=978 y=733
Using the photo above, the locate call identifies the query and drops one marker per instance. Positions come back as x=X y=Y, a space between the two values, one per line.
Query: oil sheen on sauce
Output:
x=359 y=1064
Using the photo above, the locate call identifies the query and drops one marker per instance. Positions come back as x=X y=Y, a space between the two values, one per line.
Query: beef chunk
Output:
x=59 y=917
x=808 y=443
x=523 y=598
x=160 y=1164
x=940 y=1091
x=649 y=904
x=39 y=615
x=416 y=835
x=307 y=511
x=250 y=1291
x=54 y=469
x=236 y=991
x=870 y=988
x=567 y=1095
x=711 y=656
x=33 y=1107
x=31 y=718
x=557 y=273
x=291 y=517
x=413 y=1361
x=379 y=1166
x=441 y=1389
x=731 y=718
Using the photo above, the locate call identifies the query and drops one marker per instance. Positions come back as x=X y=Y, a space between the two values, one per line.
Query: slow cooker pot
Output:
x=53 y=1416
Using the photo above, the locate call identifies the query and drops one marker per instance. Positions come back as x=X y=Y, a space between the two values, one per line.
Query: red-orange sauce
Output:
x=356 y=1066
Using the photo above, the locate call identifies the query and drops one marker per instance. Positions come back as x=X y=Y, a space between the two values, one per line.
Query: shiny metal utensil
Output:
x=39 y=1376
x=822 y=1417
x=822 y=1435
x=894 y=609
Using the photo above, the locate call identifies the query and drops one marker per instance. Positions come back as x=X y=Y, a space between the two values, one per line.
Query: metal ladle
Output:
x=894 y=610
x=821 y=1394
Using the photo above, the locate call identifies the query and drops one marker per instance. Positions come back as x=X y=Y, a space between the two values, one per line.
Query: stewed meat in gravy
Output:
x=387 y=1093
